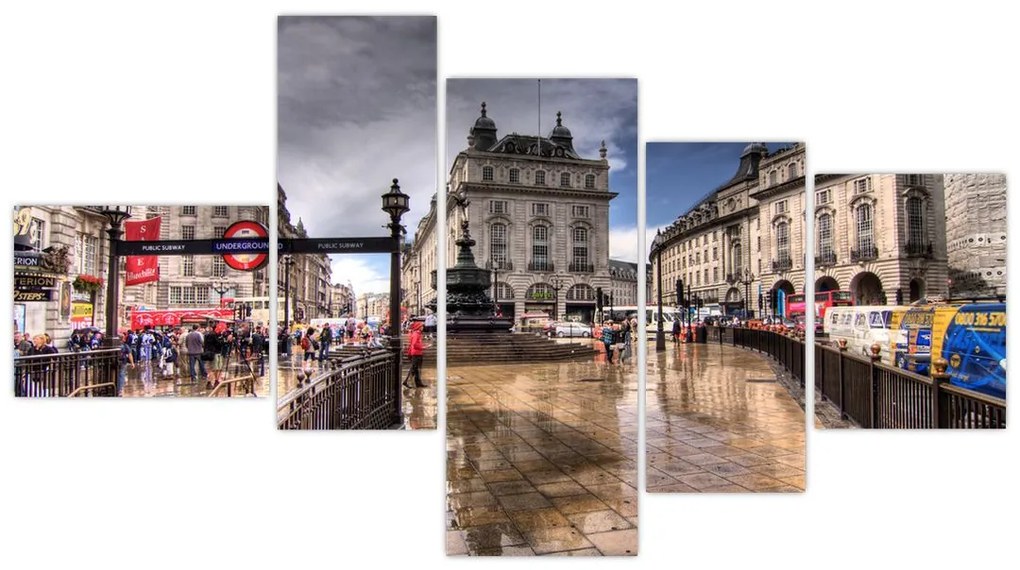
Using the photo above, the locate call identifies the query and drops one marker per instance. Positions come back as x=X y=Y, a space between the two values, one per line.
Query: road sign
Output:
x=339 y=245
x=246 y=238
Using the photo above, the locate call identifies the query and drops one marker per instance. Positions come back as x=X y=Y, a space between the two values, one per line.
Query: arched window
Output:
x=773 y=177
x=515 y=176
x=865 y=229
x=589 y=181
x=498 y=245
x=487 y=173
x=793 y=171
x=580 y=249
x=825 y=251
x=738 y=262
x=564 y=179
x=915 y=223
x=540 y=178
x=783 y=242
x=540 y=248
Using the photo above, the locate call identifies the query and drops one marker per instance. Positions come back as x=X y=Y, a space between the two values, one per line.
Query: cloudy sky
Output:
x=356 y=107
x=593 y=110
x=678 y=175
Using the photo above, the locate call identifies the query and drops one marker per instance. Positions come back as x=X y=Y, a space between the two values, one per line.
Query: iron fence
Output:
x=785 y=349
x=353 y=393
x=876 y=395
x=89 y=373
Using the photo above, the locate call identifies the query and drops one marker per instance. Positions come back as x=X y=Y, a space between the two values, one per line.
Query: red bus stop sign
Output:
x=246 y=261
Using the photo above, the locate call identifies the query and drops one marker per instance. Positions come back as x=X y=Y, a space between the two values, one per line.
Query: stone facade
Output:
x=624 y=286
x=976 y=234
x=342 y=301
x=373 y=305
x=540 y=215
x=311 y=275
x=418 y=265
x=887 y=238
x=742 y=240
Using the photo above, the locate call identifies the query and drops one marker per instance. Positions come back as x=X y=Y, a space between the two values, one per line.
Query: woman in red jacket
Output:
x=415 y=351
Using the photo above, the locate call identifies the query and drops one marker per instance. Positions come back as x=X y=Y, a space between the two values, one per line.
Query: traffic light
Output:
x=598 y=299
x=247 y=310
x=761 y=302
x=899 y=296
x=680 y=292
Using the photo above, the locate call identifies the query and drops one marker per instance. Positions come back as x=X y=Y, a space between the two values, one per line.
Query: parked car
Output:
x=571 y=330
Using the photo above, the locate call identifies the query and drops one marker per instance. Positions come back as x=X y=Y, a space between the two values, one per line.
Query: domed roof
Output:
x=559 y=131
x=484 y=122
x=755 y=148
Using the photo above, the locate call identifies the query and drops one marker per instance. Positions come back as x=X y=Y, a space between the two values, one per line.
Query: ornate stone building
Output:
x=310 y=274
x=624 y=282
x=881 y=236
x=342 y=301
x=976 y=234
x=373 y=305
x=540 y=214
x=418 y=265
x=743 y=240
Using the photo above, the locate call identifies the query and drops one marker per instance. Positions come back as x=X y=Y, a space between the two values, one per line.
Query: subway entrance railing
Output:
x=91 y=373
x=876 y=395
x=351 y=393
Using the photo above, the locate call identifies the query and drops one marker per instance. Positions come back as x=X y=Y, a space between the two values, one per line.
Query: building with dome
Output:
x=741 y=246
x=540 y=214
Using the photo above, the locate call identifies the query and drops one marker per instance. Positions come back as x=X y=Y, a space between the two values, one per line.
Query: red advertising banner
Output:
x=177 y=317
x=142 y=268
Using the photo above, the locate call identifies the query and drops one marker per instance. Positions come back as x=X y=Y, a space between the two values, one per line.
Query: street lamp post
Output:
x=115 y=215
x=556 y=284
x=660 y=336
x=221 y=288
x=747 y=280
x=395 y=203
x=288 y=261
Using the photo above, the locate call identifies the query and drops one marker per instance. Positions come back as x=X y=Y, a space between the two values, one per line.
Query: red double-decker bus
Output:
x=826 y=299
x=794 y=306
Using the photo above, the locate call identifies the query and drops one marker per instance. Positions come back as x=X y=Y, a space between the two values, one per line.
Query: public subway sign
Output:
x=32 y=296
x=338 y=245
x=245 y=245
x=223 y=247
x=34 y=282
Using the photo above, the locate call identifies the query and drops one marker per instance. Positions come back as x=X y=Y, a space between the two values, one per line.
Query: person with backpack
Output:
x=309 y=345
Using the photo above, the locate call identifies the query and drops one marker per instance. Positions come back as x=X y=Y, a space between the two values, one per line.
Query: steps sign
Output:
x=238 y=231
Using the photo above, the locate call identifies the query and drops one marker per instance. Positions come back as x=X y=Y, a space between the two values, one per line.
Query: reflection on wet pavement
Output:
x=421 y=406
x=541 y=459
x=719 y=422
x=145 y=381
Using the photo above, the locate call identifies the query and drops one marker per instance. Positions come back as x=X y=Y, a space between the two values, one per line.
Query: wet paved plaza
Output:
x=718 y=421
x=421 y=406
x=541 y=459
x=150 y=381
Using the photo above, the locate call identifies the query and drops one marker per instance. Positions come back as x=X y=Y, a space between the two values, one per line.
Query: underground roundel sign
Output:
x=245 y=261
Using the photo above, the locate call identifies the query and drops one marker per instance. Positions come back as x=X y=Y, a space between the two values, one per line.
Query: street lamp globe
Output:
x=116 y=214
x=395 y=202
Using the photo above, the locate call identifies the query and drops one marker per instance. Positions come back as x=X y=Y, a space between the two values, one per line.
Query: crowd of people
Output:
x=199 y=352
x=617 y=339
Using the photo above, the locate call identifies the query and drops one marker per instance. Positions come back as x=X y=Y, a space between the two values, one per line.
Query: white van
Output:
x=860 y=327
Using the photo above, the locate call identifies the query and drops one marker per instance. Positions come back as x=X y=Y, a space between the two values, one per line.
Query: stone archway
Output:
x=917 y=289
x=826 y=283
x=866 y=289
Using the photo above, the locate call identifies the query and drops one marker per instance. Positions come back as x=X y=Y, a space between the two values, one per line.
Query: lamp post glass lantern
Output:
x=115 y=215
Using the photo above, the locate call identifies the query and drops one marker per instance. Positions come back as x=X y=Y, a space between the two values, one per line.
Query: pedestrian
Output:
x=40 y=345
x=22 y=345
x=607 y=340
x=415 y=352
x=430 y=324
x=258 y=341
x=676 y=331
x=146 y=344
x=625 y=331
x=127 y=360
x=309 y=344
x=194 y=342
x=212 y=352
x=325 y=337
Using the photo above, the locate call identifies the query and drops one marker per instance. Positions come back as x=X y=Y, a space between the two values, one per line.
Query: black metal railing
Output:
x=919 y=249
x=506 y=265
x=581 y=268
x=540 y=266
x=782 y=264
x=89 y=373
x=354 y=393
x=825 y=258
x=783 y=348
x=876 y=395
x=863 y=254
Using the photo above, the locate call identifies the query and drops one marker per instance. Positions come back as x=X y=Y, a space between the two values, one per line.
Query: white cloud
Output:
x=366 y=273
x=623 y=243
